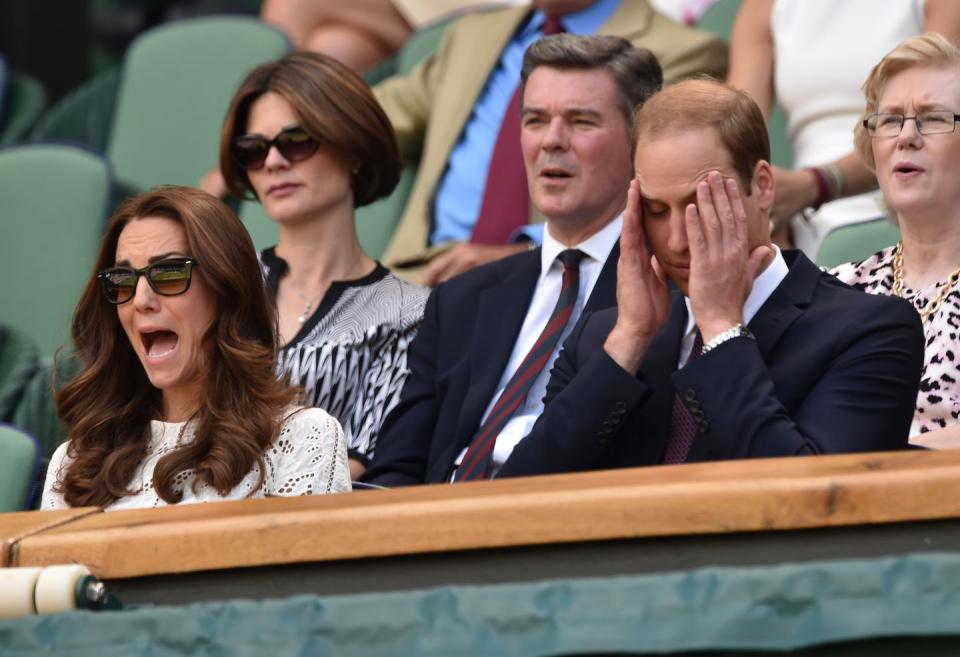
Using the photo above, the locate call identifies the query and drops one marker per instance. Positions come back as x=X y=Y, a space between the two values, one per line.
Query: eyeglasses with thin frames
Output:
x=935 y=122
x=168 y=277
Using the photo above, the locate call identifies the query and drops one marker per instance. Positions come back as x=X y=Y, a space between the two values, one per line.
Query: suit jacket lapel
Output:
x=779 y=311
x=787 y=302
x=500 y=314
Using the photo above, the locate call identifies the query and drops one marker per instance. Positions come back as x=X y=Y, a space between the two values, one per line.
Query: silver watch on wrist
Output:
x=738 y=331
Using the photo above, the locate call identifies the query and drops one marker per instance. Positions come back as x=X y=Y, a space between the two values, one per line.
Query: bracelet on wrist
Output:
x=738 y=331
x=823 y=187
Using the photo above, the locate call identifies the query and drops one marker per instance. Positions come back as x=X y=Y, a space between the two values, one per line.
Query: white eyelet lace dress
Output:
x=309 y=457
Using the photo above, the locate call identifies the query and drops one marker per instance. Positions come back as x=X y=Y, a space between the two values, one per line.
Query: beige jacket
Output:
x=430 y=107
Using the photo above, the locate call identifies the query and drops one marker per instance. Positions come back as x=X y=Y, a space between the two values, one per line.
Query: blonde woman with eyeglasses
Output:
x=908 y=136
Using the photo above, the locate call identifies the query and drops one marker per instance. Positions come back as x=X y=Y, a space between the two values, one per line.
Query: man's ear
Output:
x=763 y=184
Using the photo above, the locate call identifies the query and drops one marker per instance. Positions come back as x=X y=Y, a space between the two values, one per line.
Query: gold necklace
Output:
x=934 y=304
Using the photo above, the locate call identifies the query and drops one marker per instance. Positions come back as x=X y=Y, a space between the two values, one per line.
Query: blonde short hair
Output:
x=929 y=49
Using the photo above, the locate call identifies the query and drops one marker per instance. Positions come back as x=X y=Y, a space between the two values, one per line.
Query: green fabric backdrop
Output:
x=735 y=609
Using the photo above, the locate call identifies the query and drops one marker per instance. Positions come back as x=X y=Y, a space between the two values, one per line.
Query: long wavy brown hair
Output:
x=108 y=407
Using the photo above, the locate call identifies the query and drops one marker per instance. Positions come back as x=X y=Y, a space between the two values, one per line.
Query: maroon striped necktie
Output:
x=683 y=428
x=476 y=462
x=506 y=198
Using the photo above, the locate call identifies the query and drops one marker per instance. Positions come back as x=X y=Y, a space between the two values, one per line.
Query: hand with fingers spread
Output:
x=722 y=264
x=643 y=298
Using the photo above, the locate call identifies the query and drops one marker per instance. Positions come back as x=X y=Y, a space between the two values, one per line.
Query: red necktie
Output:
x=476 y=462
x=506 y=199
x=683 y=428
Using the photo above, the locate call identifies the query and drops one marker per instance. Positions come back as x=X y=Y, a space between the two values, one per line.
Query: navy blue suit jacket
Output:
x=469 y=329
x=831 y=370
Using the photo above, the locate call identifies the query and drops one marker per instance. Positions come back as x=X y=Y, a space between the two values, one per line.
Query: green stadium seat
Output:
x=856 y=242
x=19 y=360
x=719 y=20
x=261 y=228
x=18 y=468
x=25 y=101
x=176 y=83
x=4 y=80
x=55 y=199
x=83 y=116
x=36 y=412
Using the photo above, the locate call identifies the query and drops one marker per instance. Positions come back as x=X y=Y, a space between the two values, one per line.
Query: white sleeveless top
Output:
x=824 y=50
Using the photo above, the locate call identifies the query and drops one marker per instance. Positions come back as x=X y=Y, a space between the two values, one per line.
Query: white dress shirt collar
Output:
x=597 y=246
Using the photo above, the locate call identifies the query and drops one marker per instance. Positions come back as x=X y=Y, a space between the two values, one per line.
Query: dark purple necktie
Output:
x=476 y=462
x=683 y=428
x=506 y=199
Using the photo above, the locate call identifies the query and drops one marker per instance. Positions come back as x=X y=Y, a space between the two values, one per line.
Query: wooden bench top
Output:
x=703 y=498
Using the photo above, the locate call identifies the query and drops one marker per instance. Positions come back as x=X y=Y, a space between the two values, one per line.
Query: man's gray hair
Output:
x=636 y=71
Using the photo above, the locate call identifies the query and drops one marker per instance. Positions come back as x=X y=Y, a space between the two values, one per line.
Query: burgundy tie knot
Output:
x=570 y=258
x=553 y=25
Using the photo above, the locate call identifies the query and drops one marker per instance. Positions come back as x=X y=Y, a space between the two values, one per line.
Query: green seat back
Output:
x=420 y=45
x=25 y=101
x=176 y=84
x=4 y=81
x=719 y=20
x=84 y=115
x=856 y=242
x=18 y=468
x=261 y=228
x=19 y=360
x=55 y=199
x=36 y=412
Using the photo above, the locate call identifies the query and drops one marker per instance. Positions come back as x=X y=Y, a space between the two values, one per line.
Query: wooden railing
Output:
x=694 y=499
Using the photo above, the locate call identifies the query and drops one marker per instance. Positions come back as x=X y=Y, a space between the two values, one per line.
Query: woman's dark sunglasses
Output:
x=168 y=277
x=250 y=151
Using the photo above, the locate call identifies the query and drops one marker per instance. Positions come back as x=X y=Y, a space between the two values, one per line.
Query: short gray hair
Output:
x=636 y=71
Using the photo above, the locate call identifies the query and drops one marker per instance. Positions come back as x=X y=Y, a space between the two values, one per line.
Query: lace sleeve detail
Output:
x=309 y=457
x=51 y=499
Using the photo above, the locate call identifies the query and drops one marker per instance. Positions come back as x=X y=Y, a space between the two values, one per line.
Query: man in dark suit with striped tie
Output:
x=481 y=360
x=756 y=353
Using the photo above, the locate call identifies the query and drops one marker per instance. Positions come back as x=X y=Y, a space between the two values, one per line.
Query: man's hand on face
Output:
x=643 y=299
x=722 y=266
x=464 y=257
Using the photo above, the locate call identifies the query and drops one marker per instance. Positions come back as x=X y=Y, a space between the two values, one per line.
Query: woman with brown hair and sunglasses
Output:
x=177 y=400
x=307 y=138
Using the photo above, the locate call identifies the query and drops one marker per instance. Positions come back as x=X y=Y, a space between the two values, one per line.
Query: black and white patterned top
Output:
x=350 y=356
x=938 y=401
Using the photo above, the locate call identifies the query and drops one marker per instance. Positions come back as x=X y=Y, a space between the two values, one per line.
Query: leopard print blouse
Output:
x=938 y=401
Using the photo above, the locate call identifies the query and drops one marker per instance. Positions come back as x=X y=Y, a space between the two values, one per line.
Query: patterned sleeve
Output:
x=53 y=500
x=385 y=383
x=309 y=457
